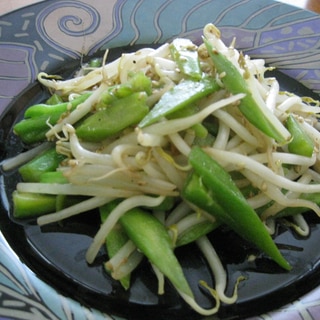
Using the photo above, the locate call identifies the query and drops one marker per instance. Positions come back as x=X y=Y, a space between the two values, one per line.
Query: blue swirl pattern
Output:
x=75 y=20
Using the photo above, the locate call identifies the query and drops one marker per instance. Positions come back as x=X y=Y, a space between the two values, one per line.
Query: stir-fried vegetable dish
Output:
x=169 y=144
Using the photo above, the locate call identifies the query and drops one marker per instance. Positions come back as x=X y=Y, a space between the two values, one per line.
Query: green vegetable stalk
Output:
x=151 y=237
x=215 y=192
x=195 y=232
x=137 y=82
x=27 y=205
x=235 y=83
x=46 y=162
x=33 y=130
x=185 y=54
x=182 y=95
x=121 y=114
x=301 y=143
x=31 y=205
x=34 y=126
x=38 y=110
x=115 y=240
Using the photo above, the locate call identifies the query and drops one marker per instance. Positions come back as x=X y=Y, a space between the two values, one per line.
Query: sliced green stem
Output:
x=151 y=237
x=121 y=114
x=182 y=95
x=185 y=54
x=260 y=116
x=225 y=201
x=28 y=205
x=47 y=161
x=50 y=109
x=301 y=143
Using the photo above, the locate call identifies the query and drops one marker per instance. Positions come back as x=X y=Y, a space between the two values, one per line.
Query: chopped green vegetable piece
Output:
x=118 y=116
x=196 y=192
x=54 y=99
x=28 y=205
x=235 y=83
x=151 y=237
x=195 y=232
x=33 y=130
x=95 y=63
x=233 y=209
x=38 y=110
x=185 y=54
x=301 y=143
x=115 y=239
x=182 y=95
x=47 y=161
x=53 y=177
x=137 y=82
x=34 y=126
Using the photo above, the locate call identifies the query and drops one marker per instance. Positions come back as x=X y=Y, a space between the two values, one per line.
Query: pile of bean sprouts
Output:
x=145 y=165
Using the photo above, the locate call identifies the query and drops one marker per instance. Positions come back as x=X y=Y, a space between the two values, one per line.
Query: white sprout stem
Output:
x=311 y=131
x=84 y=155
x=149 y=139
x=70 y=189
x=276 y=206
x=180 y=144
x=315 y=175
x=160 y=278
x=190 y=221
x=237 y=127
x=216 y=266
x=195 y=306
x=124 y=269
x=81 y=83
x=179 y=212
x=276 y=194
x=106 y=227
x=302 y=226
x=234 y=142
x=170 y=171
x=21 y=158
x=271 y=100
x=243 y=148
x=305 y=110
x=258 y=201
x=97 y=177
x=222 y=136
x=82 y=109
x=242 y=162
x=120 y=152
x=288 y=103
x=129 y=138
x=83 y=206
x=153 y=170
x=270 y=225
x=121 y=256
x=285 y=158
x=268 y=114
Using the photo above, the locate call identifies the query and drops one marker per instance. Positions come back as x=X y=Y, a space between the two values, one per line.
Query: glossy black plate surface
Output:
x=57 y=252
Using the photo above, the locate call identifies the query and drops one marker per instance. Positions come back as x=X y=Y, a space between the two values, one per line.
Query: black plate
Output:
x=56 y=253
